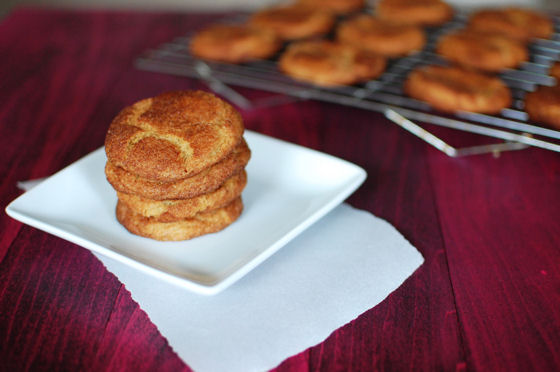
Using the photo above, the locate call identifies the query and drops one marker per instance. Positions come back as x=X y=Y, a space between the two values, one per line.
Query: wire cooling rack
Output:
x=385 y=94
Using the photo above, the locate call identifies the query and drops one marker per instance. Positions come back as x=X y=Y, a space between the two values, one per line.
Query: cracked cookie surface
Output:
x=173 y=136
x=206 y=181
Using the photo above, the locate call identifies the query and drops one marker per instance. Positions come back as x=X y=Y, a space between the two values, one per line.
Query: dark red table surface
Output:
x=486 y=298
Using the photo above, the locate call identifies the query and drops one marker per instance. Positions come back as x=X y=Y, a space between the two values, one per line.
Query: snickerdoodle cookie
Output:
x=177 y=209
x=234 y=43
x=379 y=36
x=293 y=22
x=328 y=63
x=174 y=135
x=543 y=105
x=206 y=181
x=522 y=24
x=336 y=6
x=481 y=50
x=455 y=89
x=415 y=12
x=201 y=224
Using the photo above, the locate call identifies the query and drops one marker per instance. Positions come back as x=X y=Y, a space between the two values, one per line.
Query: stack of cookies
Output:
x=177 y=162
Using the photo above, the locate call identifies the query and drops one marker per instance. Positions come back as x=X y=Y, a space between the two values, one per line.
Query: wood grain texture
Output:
x=505 y=272
x=397 y=190
x=486 y=298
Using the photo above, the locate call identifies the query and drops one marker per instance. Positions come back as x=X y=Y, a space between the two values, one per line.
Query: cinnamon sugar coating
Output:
x=173 y=136
x=234 y=43
x=519 y=23
x=293 y=22
x=177 y=209
x=454 y=89
x=329 y=63
x=379 y=36
x=543 y=105
x=485 y=51
x=414 y=12
x=201 y=224
x=206 y=181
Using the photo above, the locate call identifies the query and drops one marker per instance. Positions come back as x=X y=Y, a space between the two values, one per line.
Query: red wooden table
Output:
x=486 y=298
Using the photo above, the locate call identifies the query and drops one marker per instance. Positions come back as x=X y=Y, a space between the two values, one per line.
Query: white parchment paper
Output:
x=340 y=267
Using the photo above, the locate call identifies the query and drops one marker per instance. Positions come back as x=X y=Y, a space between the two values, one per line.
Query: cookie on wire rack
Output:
x=379 y=36
x=519 y=23
x=451 y=89
x=328 y=63
x=415 y=12
x=486 y=51
x=292 y=22
x=234 y=43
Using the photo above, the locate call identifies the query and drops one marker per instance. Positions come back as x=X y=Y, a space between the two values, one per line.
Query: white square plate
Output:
x=289 y=188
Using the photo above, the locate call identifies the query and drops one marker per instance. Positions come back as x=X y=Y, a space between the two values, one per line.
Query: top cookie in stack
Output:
x=177 y=162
